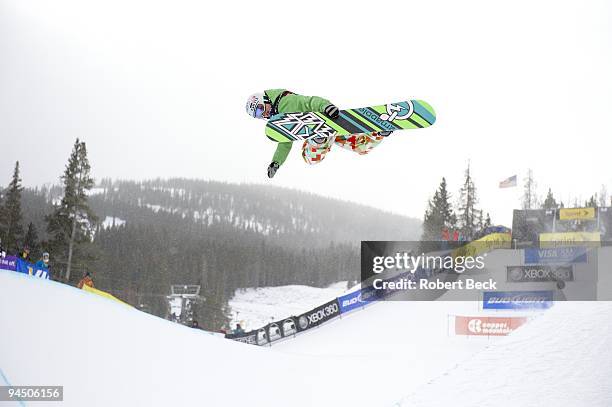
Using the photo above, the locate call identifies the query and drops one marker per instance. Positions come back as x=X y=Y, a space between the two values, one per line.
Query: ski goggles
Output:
x=259 y=111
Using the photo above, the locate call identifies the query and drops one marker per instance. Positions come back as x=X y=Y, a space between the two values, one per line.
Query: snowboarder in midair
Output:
x=273 y=101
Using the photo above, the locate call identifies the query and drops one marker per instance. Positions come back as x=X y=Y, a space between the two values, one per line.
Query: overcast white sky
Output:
x=158 y=90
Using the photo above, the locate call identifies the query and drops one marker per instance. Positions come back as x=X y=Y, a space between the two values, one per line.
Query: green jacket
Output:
x=289 y=104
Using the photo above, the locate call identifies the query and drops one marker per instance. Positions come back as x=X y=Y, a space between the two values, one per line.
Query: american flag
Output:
x=508 y=182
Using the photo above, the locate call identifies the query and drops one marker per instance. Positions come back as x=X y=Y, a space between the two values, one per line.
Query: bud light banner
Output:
x=357 y=299
x=8 y=263
x=556 y=255
x=318 y=315
x=517 y=299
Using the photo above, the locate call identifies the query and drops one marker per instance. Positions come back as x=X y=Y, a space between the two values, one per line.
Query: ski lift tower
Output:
x=181 y=302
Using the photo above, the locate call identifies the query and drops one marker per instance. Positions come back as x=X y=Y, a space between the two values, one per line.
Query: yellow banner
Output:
x=103 y=294
x=570 y=239
x=485 y=244
x=576 y=213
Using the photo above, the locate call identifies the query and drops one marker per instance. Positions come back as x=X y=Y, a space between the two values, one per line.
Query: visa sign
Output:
x=556 y=255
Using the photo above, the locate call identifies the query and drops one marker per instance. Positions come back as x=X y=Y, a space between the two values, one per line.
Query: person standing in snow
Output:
x=274 y=101
x=43 y=265
x=86 y=280
x=25 y=253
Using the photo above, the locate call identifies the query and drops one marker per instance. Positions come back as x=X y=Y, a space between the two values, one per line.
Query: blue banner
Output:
x=556 y=255
x=26 y=267
x=517 y=299
x=8 y=263
x=357 y=299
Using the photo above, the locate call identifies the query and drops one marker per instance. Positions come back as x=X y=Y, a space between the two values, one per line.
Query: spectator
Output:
x=238 y=330
x=86 y=280
x=25 y=253
x=2 y=251
x=43 y=265
x=195 y=325
x=456 y=236
x=445 y=234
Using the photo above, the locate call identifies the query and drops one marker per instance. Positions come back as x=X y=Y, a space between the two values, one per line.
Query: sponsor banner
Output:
x=556 y=255
x=274 y=332
x=280 y=329
x=517 y=299
x=245 y=337
x=318 y=315
x=8 y=263
x=485 y=244
x=369 y=294
x=31 y=269
x=288 y=326
x=261 y=336
x=357 y=299
x=520 y=274
x=576 y=213
x=103 y=294
x=570 y=239
x=487 y=326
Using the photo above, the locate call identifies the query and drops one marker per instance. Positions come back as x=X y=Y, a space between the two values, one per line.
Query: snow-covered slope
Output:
x=256 y=307
x=562 y=359
x=105 y=353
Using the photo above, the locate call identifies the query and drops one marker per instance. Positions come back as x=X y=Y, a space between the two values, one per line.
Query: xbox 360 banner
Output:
x=538 y=273
x=318 y=315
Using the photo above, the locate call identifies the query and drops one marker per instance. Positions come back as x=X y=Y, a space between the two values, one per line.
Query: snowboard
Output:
x=410 y=114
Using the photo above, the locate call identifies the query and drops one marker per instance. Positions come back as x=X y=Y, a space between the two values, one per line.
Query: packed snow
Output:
x=562 y=359
x=384 y=354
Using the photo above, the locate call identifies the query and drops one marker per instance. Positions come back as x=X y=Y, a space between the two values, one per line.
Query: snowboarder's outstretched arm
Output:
x=280 y=155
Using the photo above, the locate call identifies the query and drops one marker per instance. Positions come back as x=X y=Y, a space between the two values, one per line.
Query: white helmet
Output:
x=255 y=105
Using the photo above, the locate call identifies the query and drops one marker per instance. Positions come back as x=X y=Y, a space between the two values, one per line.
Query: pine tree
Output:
x=603 y=196
x=550 y=202
x=71 y=223
x=31 y=240
x=592 y=202
x=11 y=229
x=469 y=215
x=530 y=199
x=439 y=214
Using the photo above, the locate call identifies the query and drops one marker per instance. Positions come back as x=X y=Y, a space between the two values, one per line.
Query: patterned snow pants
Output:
x=361 y=143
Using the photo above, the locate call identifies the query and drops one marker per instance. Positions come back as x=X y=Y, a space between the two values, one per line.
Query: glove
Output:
x=385 y=133
x=331 y=111
x=272 y=168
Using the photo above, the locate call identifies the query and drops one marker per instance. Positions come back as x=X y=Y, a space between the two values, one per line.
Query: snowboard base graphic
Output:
x=411 y=114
